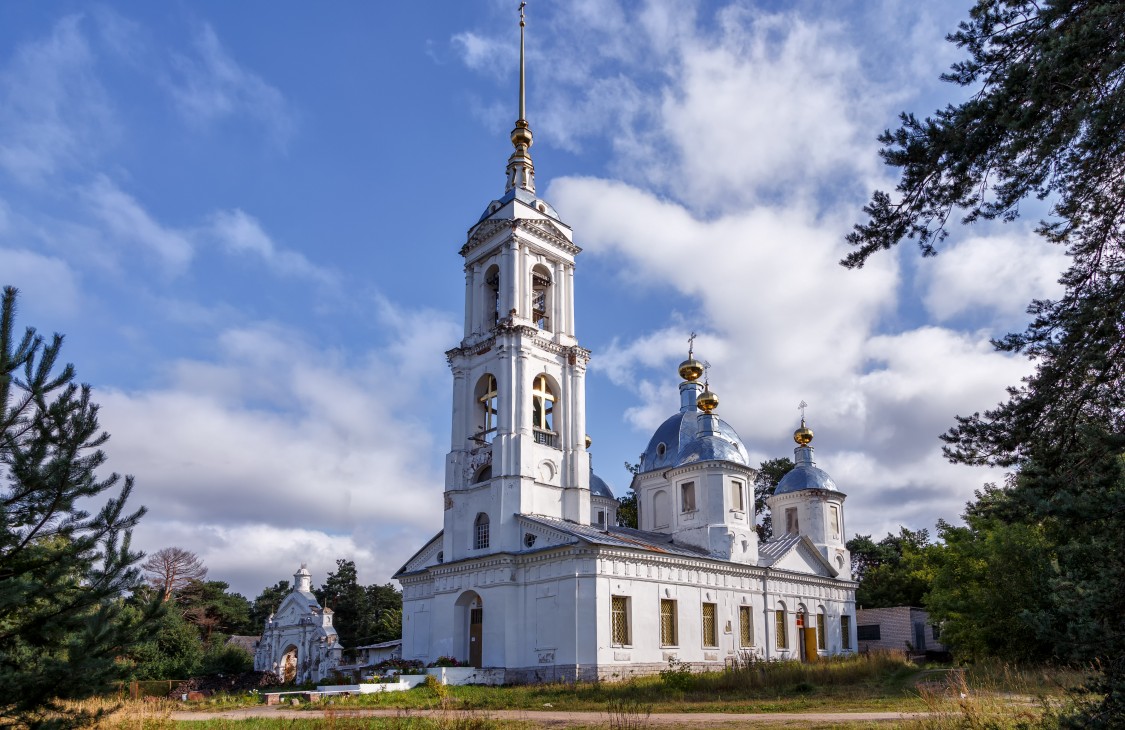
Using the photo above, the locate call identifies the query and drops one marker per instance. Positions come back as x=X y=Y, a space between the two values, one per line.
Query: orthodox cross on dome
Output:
x=803 y=405
x=691 y=346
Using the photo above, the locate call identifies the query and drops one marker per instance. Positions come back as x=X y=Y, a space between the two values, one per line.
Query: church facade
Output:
x=531 y=575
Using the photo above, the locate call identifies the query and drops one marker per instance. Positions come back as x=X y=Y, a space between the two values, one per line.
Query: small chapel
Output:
x=531 y=576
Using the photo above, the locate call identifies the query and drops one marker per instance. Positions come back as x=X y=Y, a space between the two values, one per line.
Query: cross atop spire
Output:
x=521 y=172
x=691 y=346
x=803 y=405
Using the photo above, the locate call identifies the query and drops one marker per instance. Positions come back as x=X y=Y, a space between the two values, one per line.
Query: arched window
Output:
x=661 y=509
x=483 y=474
x=492 y=300
x=480 y=532
x=487 y=400
x=543 y=412
x=541 y=297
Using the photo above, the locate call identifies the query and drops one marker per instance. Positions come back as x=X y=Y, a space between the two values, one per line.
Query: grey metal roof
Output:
x=625 y=537
x=381 y=645
x=771 y=551
x=678 y=435
x=524 y=196
x=805 y=475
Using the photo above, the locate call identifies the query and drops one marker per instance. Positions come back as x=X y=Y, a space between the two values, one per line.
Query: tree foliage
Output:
x=171 y=569
x=210 y=606
x=770 y=473
x=265 y=605
x=896 y=571
x=363 y=615
x=1044 y=121
x=63 y=569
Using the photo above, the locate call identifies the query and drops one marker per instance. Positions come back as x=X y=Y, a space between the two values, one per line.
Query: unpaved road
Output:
x=550 y=718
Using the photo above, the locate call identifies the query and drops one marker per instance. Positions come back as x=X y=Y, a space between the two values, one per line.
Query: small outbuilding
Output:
x=898 y=628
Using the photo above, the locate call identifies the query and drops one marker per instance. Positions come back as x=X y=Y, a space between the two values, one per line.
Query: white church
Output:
x=531 y=577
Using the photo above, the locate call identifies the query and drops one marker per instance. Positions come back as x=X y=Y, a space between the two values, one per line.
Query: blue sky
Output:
x=245 y=217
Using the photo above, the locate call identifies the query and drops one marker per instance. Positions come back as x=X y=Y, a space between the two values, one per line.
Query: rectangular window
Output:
x=935 y=633
x=834 y=523
x=791 y=525
x=619 y=617
x=687 y=497
x=668 y=629
x=781 y=629
x=710 y=625
x=601 y=518
x=868 y=632
x=846 y=632
x=745 y=626
x=737 y=503
x=820 y=631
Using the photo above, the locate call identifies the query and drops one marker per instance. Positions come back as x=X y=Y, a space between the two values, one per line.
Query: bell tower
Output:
x=519 y=394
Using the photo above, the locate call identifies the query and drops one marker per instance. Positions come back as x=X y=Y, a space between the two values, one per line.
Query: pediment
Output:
x=803 y=557
x=545 y=536
x=426 y=557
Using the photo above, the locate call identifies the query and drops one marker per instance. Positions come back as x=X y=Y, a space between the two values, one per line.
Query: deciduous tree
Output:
x=170 y=569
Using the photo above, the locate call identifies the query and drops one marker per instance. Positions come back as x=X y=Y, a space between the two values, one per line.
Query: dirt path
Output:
x=568 y=719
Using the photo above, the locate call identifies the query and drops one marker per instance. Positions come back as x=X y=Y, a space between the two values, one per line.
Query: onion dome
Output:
x=589 y=442
x=691 y=369
x=707 y=401
x=806 y=474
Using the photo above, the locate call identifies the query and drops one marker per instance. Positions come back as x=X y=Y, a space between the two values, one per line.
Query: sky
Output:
x=245 y=218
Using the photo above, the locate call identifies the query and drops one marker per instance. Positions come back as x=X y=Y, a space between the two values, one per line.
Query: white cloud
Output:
x=997 y=274
x=54 y=112
x=279 y=439
x=212 y=86
x=45 y=280
x=125 y=219
x=240 y=233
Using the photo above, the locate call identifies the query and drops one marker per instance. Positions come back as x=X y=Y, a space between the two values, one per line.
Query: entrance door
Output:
x=476 y=624
x=810 y=654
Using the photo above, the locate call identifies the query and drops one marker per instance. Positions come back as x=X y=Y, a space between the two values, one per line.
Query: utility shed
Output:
x=898 y=628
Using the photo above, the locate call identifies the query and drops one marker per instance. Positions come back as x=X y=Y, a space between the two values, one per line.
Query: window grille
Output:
x=710 y=625
x=745 y=626
x=620 y=620
x=846 y=632
x=480 y=540
x=820 y=631
x=667 y=622
x=543 y=412
x=782 y=629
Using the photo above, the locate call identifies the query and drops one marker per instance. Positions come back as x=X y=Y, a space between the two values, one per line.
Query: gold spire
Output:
x=521 y=173
x=707 y=401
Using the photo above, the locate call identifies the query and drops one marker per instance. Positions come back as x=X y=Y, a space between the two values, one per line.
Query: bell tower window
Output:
x=487 y=400
x=492 y=296
x=543 y=412
x=541 y=297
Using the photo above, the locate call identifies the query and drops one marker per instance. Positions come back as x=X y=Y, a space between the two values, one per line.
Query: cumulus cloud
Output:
x=211 y=86
x=994 y=275
x=291 y=441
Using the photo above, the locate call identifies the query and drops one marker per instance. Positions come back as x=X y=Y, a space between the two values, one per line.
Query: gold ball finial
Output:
x=691 y=370
x=707 y=401
x=588 y=441
x=803 y=435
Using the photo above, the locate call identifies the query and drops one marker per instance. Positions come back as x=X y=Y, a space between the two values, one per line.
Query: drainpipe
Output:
x=766 y=609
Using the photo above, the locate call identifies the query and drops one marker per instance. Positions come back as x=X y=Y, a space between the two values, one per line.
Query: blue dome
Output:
x=805 y=475
x=713 y=448
x=598 y=487
x=676 y=443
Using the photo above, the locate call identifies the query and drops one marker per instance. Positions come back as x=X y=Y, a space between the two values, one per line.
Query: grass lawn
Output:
x=877 y=683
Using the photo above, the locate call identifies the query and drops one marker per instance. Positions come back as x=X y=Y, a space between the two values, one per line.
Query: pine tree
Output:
x=1044 y=121
x=63 y=570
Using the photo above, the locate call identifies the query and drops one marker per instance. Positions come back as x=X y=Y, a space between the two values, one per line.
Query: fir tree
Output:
x=63 y=570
